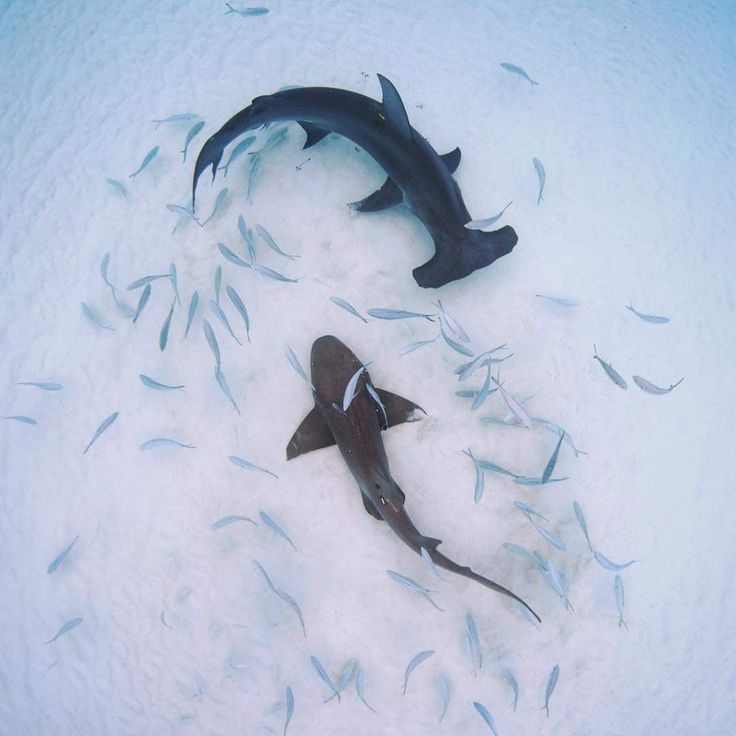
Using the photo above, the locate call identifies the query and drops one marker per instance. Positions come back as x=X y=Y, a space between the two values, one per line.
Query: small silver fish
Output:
x=347 y=307
x=508 y=676
x=217 y=310
x=146 y=160
x=193 y=132
x=20 y=418
x=271 y=243
x=379 y=313
x=243 y=146
x=118 y=187
x=517 y=70
x=269 y=522
x=152 y=383
x=54 y=566
x=285 y=597
x=475 y=650
x=485 y=714
x=414 y=663
x=551 y=682
x=42 y=386
x=652 y=318
x=92 y=316
x=374 y=395
x=232 y=257
x=360 y=689
x=225 y=388
x=255 y=167
x=219 y=204
x=179 y=118
x=549 y=469
x=552 y=538
x=650 y=388
x=351 y=388
x=161 y=441
x=603 y=561
x=247 y=465
x=541 y=176
x=271 y=274
x=514 y=405
x=583 y=524
x=142 y=301
x=68 y=626
x=193 y=304
x=209 y=333
x=289 y=708
x=320 y=670
x=246 y=12
x=411 y=347
x=412 y=585
x=105 y=425
x=147 y=280
x=163 y=337
x=562 y=301
x=488 y=221
x=227 y=520
x=456 y=346
x=444 y=687
x=618 y=588
x=238 y=303
x=452 y=324
x=610 y=372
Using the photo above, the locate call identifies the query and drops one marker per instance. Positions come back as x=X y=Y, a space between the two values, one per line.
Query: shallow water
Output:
x=632 y=120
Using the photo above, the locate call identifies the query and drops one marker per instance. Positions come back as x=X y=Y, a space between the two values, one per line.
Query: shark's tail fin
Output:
x=460 y=254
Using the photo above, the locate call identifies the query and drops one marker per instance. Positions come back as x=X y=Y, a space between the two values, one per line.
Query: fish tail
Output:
x=444 y=562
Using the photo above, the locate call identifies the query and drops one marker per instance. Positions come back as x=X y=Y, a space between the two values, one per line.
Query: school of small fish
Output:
x=451 y=334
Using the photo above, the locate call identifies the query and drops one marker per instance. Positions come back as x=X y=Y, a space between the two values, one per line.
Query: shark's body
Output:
x=418 y=176
x=357 y=434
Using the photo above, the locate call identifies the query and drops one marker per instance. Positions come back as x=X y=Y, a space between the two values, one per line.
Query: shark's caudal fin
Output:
x=457 y=256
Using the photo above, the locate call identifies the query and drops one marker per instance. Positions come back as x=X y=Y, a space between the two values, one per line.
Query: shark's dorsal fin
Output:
x=430 y=543
x=314 y=133
x=393 y=108
x=312 y=434
x=398 y=409
x=389 y=195
x=452 y=160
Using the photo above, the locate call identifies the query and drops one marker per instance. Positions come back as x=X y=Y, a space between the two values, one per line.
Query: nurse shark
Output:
x=357 y=434
x=417 y=175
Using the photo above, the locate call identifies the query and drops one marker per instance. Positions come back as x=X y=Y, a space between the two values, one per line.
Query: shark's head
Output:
x=459 y=254
x=333 y=365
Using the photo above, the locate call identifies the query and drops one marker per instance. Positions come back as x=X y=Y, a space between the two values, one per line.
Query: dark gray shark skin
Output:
x=357 y=434
x=418 y=176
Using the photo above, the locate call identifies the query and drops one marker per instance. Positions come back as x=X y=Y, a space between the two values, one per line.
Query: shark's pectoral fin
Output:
x=312 y=434
x=394 y=110
x=370 y=507
x=398 y=409
x=314 y=133
x=389 y=195
x=452 y=160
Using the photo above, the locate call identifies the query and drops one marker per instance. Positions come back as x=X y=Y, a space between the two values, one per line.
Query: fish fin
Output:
x=370 y=507
x=389 y=195
x=398 y=409
x=430 y=543
x=312 y=434
x=452 y=160
x=314 y=133
x=394 y=108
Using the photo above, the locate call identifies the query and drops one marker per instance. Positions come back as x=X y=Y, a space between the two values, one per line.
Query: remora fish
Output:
x=417 y=175
x=357 y=434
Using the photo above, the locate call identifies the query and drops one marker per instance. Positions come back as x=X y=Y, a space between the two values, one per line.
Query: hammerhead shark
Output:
x=417 y=175
x=357 y=433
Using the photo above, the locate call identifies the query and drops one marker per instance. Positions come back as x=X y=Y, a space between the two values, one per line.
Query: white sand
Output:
x=633 y=119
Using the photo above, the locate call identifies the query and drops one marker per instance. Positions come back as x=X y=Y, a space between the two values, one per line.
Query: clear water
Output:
x=632 y=119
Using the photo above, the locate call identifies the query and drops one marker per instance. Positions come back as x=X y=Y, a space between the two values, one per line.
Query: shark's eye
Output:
x=382 y=499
